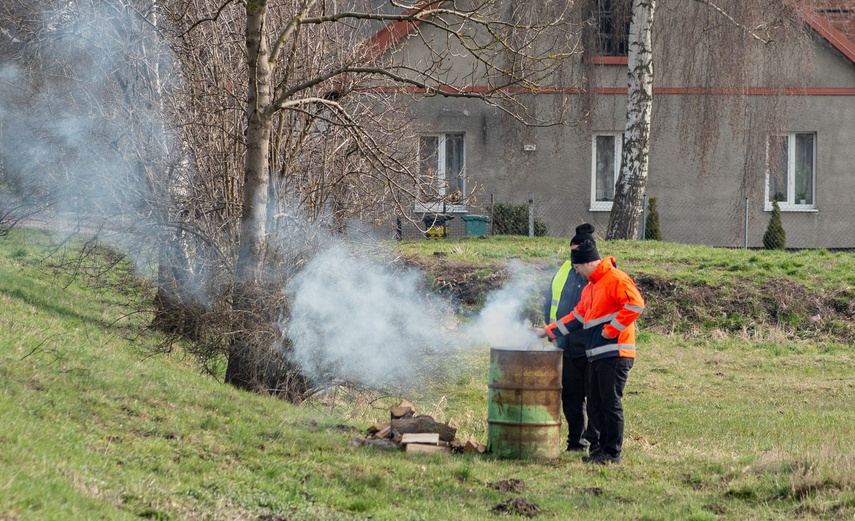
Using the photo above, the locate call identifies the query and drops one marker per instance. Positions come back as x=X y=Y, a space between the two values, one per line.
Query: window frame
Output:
x=604 y=206
x=791 y=204
x=441 y=178
x=612 y=47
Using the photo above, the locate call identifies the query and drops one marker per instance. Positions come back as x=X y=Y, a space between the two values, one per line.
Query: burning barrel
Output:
x=523 y=419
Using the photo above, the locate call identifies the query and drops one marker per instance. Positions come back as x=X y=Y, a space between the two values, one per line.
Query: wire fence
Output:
x=739 y=222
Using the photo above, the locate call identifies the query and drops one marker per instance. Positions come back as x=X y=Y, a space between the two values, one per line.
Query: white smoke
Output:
x=499 y=323
x=354 y=319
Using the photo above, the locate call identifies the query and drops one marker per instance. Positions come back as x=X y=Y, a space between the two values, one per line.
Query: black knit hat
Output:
x=586 y=252
x=583 y=232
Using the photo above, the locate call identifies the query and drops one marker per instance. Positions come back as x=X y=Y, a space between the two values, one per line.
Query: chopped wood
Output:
x=428 y=438
x=473 y=445
x=385 y=432
x=419 y=448
x=401 y=412
x=405 y=409
x=377 y=427
x=424 y=424
x=383 y=444
x=356 y=441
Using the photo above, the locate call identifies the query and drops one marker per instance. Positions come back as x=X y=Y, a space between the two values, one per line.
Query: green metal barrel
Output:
x=524 y=418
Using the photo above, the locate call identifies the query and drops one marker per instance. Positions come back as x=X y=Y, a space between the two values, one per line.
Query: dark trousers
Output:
x=605 y=403
x=574 y=383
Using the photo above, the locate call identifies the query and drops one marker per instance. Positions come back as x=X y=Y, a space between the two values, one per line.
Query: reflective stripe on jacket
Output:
x=610 y=302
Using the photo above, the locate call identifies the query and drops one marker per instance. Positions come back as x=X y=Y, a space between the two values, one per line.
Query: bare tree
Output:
x=314 y=106
x=229 y=150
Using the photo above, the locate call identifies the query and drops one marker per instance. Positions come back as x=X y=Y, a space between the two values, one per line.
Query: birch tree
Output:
x=722 y=46
x=629 y=190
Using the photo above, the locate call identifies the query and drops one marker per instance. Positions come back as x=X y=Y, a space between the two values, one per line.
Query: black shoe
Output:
x=576 y=448
x=602 y=459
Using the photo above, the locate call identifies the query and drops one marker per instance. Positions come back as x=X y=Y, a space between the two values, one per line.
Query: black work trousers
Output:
x=574 y=385
x=605 y=403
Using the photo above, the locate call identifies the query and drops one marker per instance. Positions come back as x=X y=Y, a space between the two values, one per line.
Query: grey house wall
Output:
x=700 y=201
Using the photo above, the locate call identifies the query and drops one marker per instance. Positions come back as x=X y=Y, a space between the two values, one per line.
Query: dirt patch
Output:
x=519 y=506
x=743 y=306
x=509 y=485
x=747 y=306
x=465 y=284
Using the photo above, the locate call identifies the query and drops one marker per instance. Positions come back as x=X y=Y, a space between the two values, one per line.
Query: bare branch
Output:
x=726 y=15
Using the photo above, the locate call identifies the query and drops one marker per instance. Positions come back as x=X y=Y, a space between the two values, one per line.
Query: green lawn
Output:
x=720 y=424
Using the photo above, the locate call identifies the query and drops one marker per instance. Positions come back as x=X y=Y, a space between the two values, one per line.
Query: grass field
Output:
x=722 y=423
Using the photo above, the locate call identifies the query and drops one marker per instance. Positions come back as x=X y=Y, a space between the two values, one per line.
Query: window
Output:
x=612 y=28
x=442 y=168
x=604 y=170
x=791 y=171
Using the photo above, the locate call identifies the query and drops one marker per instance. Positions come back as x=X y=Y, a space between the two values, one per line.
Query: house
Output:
x=732 y=132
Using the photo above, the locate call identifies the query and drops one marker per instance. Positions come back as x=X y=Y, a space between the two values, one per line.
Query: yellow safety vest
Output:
x=557 y=286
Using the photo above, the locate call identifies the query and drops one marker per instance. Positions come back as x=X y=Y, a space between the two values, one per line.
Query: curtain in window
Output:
x=605 y=168
x=779 y=166
x=428 y=163
x=454 y=174
x=804 y=168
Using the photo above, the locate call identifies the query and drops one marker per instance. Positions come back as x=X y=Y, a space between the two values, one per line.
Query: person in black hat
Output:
x=561 y=297
x=607 y=310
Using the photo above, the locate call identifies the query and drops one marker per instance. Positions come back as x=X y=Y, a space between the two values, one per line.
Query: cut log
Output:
x=405 y=409
x=474 y=446
x=398 y=413
x=383 y=444
x=385 y=432
x=424 y=424
x=427 y=438
x=419 y=448
x=377 y=427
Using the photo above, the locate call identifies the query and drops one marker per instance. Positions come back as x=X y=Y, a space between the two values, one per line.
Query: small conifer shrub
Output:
x=651 y=222
x=775 y=238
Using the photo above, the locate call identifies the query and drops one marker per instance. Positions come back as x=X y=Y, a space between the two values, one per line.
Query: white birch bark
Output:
x=256 y=176
x=629 y=193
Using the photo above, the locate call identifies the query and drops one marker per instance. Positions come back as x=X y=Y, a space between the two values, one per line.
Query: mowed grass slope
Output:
x=719 y=426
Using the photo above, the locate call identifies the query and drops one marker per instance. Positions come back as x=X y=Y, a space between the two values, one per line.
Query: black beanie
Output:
x=586 y=252
x=583 y=232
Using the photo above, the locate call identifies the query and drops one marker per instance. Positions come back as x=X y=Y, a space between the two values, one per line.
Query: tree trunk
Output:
x=256 y=172
x=629 y=193
x=242 y=369
x=175 y=311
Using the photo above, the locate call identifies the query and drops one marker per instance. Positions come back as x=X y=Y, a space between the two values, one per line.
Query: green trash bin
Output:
x=476 y=225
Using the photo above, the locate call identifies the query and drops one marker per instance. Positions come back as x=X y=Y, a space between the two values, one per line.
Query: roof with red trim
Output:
x=840 y=14
x=834 y=20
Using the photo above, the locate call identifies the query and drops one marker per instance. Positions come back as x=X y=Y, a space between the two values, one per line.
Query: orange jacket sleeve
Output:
x=631 y=306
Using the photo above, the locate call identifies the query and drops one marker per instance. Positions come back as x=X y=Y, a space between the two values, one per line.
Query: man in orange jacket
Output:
x=607 y=311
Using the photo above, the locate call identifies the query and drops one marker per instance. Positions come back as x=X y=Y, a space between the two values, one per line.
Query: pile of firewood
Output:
x=419 y=434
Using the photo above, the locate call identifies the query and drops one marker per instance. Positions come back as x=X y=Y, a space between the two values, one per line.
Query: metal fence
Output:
x=737 y=222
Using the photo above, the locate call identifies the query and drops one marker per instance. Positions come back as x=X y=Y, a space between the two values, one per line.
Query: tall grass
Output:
x=718 y=426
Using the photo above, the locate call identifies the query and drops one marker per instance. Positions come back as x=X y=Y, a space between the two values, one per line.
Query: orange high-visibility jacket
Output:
x=610 y=303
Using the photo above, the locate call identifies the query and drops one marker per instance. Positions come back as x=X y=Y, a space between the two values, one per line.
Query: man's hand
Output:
x=540 y=332
x=607 y=337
